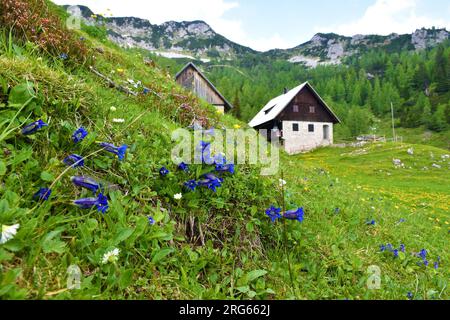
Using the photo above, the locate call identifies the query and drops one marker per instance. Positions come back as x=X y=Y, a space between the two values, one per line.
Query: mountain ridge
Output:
x=197 y=40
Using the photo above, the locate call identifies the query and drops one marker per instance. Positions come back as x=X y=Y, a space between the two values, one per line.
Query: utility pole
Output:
x=393 y=122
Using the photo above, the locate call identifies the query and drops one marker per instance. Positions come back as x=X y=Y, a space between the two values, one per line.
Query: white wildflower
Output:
x=411 y=151
x=178 y=196
x=113 y=109
x=8 y=232
x=111 y=256
x=282 y=182
x=398 y=163
x=118 y=120
x=436 y=166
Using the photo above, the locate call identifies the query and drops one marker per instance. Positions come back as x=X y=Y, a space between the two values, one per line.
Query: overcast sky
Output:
x=268 y=24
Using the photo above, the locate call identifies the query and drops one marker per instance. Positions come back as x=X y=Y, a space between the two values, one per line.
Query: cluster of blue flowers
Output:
x=424 y=259
x=211 y=180
x=275 y=213
x=390 y=248
x=422 y=254
x=75 y=161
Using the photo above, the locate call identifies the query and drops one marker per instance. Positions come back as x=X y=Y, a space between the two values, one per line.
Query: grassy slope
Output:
x=364 y=184
x=331 y=252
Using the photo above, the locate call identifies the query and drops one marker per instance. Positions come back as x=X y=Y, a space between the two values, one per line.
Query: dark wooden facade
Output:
x=192 y=79
x=304 y=100
x=307 y=107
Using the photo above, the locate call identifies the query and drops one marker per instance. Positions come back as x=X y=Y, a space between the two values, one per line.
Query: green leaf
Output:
x=125 y=279
x=5 y=255
x=255 y=274
x=160 y=255
x=47 y=176
x=122 y=235
x=2 y=168
x=243 y=289
x=21 y=94
x=52 y=245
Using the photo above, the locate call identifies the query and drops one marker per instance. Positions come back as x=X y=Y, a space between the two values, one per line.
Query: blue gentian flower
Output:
x=439 y=259
x=425 y=263
x=163 y=171
x=423 y=254
x=390 y=247
x=101 y=202
x=402 y=248
x=225 y=168
x=63 y=56
x=220 y=160
x=183 y=167
x=382 y=248
x=371 y=223
x=337 y=210
x=86 y=182
x=74 y=161
x=43 y=194
x=410 y=295
x=273 y=213
x=402 y=220
x=214 y=184
x=146 y=91
x=151 y=221
x=294 y=215
x=33 y=127
x=204 y=148
x=436 y=265
x=191 y=185
x=119 y=151
x=395 y=252
x=79 y=135
x=82 y=38
x=211 y=181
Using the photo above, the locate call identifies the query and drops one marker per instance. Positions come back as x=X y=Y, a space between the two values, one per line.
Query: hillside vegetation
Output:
x=216 y=242
x=360 y=90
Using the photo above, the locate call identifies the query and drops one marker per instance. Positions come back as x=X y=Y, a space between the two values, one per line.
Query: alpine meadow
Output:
x=94 y=205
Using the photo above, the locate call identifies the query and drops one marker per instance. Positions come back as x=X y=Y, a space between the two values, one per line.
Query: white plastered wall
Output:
x=303 y=140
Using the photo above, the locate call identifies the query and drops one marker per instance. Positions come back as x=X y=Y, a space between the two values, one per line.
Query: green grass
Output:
x=208 y=245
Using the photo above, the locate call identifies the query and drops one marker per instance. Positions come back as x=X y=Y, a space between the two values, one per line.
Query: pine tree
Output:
x=438 y=120
x=441 y=74
x=237 y=105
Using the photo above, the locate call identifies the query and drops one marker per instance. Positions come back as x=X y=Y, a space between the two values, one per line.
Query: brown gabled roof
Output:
x=228 y=105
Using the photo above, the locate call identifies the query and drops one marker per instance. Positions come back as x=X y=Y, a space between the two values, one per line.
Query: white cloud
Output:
x=264 y=44
x=385 y=17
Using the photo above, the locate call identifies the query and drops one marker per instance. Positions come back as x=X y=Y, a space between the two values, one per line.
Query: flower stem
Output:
x=285 y=235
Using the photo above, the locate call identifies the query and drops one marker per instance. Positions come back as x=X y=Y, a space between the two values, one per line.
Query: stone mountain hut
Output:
x=300 y=118
x=192 y=79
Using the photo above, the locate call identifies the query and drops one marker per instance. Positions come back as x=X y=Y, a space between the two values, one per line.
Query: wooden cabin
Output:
x=300 y=118
x=191 y=78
